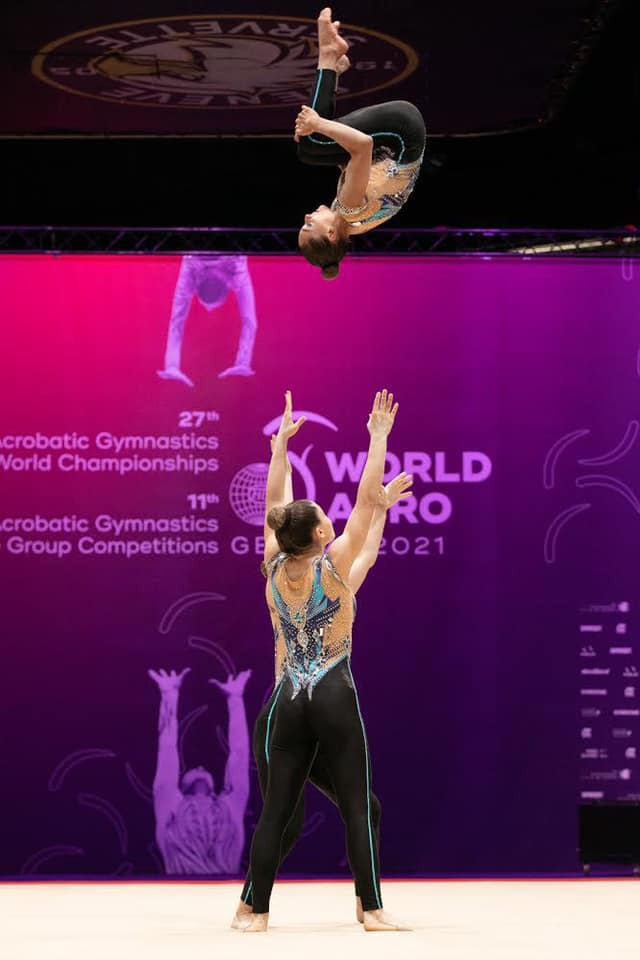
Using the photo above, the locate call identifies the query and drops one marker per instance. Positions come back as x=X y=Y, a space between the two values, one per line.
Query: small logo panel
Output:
x=215 y=62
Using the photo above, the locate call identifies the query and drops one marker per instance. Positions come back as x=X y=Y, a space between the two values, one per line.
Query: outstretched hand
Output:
x=168 y=681
x=234 y=685
x=288 y=428
x=383 y=414
x=397 y=489
x=306 y=122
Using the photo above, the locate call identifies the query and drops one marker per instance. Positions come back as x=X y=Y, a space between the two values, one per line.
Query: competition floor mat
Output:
x=586 y=919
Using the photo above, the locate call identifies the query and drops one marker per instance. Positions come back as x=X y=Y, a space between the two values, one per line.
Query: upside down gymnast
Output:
x=379 y=150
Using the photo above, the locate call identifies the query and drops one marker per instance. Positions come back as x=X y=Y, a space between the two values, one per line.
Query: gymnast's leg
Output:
x=332 y=61
x=338 y=725
x=292 y=752
x=262 y=735
x=320 y=777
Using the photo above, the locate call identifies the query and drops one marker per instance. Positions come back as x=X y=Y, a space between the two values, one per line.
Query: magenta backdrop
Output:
x=505 y=595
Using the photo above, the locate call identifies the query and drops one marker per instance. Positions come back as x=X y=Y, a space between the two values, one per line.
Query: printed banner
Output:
x=144 y=68
x=495 y=645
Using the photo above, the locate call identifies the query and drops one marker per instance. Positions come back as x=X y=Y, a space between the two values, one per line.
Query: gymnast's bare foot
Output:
x=244 y=913
x=174 y=373
x=239 y=370
x=331 y=46
x=359 y=910
x=258 y=923
x=381 y=920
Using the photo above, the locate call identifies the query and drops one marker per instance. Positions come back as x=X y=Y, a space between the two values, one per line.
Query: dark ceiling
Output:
x=154 y=113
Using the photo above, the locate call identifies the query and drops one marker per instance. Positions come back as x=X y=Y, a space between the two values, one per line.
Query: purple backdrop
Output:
x=511 y=571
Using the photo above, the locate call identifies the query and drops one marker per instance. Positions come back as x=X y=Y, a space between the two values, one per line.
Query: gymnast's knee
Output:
x=293 y=828
x=405 y=106
x=356 y=816
x=376 y=811
x=274 y=824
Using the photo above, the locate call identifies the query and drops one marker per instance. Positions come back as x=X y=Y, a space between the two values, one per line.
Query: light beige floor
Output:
x=453 y=920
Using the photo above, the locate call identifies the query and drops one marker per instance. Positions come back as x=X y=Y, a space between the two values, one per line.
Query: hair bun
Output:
x=277 y=518
x=330 y=270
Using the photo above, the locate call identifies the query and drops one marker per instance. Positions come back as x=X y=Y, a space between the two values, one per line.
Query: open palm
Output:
x=234 y=685
x=398 y=489
x=289 y=427
x=383 y=414
x=167 y=681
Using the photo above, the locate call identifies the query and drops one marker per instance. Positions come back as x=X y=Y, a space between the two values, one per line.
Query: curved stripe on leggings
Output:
x=376 y=888
x=273 y=706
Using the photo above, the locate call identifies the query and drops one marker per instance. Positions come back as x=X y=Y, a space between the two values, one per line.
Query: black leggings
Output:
x=330 y=722
x=396 y=125
x=319 y=776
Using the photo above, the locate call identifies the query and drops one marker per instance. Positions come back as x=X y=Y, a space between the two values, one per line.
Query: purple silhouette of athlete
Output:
x=198 y=830
x=210 y=279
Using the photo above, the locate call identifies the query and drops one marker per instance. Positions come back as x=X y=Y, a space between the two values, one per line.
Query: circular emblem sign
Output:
x=215 y=62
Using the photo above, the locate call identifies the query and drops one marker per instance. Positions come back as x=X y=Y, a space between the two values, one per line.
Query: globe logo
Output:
x=247 y=493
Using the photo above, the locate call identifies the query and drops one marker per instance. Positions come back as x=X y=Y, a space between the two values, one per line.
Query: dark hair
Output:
x=294 y=525
x=325 y=253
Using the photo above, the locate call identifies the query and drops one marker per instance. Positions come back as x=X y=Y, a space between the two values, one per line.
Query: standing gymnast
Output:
x=316 y=704
x=397 y=489
x=379 y=150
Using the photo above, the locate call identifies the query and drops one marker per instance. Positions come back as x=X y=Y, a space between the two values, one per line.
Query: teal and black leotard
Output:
x=315 y=712
x=319 y=777
x=399 y=139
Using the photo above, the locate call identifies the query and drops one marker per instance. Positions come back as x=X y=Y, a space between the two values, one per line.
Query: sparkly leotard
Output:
x=312 y=619
x=389 y=186
x=312 y=627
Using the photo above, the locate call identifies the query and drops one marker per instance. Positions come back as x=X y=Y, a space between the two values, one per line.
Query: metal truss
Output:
x=433 y=241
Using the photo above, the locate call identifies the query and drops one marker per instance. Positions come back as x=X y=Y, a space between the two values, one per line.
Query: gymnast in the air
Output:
x=379 y=150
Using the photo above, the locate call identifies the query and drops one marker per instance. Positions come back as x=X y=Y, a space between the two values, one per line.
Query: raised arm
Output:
x=358 y=145
x=344 y=550
x=166 y=784
x=398 y=489
x=182 y=297
x=243 y=288
x=277 y=475
x=287 y=493
x=236 y=776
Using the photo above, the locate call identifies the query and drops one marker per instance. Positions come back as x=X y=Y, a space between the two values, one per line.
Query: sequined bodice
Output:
x=389 y=186
x=312 y=627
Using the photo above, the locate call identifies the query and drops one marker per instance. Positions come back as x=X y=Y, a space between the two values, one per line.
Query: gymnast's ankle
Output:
x=243 y=914
x=257 y=924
